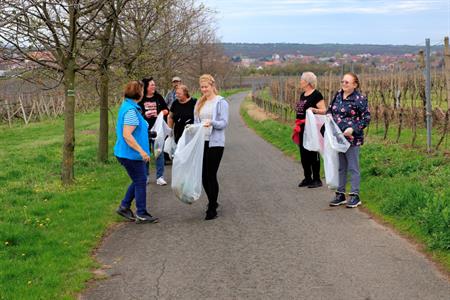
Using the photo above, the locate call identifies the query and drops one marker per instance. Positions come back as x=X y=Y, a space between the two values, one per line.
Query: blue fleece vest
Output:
x=122 y=149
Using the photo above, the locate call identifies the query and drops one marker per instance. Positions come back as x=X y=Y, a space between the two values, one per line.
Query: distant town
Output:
x=262 y=56
x=375 y=56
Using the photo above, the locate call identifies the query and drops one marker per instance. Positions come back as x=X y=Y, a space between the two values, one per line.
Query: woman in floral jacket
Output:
x=349 y=109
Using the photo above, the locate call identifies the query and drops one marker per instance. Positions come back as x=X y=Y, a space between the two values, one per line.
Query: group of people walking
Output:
x=349 y=110
x=135 y=140
x=142 y=104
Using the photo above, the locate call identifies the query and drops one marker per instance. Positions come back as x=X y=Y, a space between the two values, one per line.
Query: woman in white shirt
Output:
x=212 y=111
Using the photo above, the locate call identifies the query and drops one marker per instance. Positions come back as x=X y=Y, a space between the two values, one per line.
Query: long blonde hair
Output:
x=210 y=80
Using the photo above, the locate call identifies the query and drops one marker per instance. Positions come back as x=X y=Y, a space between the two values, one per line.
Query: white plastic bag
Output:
x=170 y=146
x=312 y=138
x=187 y=164
x=334 y=142
x=330 y=164
x=336 y=138
x=162 y=130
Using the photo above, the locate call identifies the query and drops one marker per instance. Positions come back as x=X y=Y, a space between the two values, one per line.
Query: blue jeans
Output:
x=137 y=170
x=349 y=162
x=159 y=161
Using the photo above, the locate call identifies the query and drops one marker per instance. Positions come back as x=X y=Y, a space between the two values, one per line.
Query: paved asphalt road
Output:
x=272 y=240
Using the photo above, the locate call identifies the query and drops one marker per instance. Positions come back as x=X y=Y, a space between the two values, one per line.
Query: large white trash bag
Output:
x=337 y=139
x=335 y=142
x=162 y=131
x=312 y=138
x=170 y=146
x=187 y=164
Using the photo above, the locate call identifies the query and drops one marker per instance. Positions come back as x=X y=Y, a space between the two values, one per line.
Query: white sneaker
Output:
x=161 y=181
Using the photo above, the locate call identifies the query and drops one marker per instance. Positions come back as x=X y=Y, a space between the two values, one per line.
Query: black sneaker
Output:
x=305 y=182
x=338 y=199
x=211 y=214
x=126 y=213
x=354 y=201
x=315 y=184
x=146 y=218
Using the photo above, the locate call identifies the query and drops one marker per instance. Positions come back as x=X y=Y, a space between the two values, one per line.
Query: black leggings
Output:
x=310 y=161
x=211 y=161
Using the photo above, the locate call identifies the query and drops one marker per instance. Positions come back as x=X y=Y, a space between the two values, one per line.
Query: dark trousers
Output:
x=310 y=161
x=211 y=161
x=137 y=170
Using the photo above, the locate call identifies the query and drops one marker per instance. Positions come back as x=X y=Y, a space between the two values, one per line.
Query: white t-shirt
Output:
x=206 y=113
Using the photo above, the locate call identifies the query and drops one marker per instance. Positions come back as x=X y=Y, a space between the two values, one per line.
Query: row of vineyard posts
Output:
x=397 y=98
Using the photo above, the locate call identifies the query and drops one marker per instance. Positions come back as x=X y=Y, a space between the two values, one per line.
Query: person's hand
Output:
x=207 y=123
x=313 y=110
x=348 y=132
x=145 y=156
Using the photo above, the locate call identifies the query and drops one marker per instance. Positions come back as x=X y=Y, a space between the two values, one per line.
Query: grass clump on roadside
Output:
x=47 y=231
x=401 y=185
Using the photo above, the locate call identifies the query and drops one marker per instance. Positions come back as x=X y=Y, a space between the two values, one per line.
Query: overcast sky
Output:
x=335 y=21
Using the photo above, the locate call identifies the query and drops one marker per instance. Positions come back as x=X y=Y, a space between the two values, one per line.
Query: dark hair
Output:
x=355 y=78
x=133 y=90
x=146 y=81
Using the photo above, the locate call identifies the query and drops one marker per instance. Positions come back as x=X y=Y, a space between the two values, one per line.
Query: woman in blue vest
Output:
x=133 y=152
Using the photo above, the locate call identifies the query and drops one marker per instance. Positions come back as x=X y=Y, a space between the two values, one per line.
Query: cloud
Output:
x=261 y=8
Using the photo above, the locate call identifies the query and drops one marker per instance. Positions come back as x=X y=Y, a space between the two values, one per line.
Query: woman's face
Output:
x=206 y=88
x=180 y=94
x=303 y=84
x=151 y=88
x=348 y=84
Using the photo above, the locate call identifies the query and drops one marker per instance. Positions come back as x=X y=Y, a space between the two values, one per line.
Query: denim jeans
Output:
x=137 y=170
x=159 y=161
x=349 y=162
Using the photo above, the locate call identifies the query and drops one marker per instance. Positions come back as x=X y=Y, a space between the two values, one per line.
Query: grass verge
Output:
x=48 y=231
x=403 y=187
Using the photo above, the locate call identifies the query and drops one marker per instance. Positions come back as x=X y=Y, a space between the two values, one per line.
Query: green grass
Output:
x=48 y=231
x=401 y=185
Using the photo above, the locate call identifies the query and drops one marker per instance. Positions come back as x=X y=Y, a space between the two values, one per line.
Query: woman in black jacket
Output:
x=152 y=104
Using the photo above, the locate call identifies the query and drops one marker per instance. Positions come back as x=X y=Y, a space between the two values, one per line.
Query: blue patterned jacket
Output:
x=352 y=112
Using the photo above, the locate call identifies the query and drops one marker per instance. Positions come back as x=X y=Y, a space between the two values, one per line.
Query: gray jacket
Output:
x=219 y=122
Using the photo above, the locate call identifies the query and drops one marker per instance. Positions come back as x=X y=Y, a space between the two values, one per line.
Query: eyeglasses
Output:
x=345 y=82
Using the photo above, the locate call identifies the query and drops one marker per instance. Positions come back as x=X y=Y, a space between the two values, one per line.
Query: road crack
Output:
x=158 y=280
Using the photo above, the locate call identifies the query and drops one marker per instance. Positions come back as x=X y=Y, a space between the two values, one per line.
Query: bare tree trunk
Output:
x=67 y=172
x=102 y=154
x=107 y=42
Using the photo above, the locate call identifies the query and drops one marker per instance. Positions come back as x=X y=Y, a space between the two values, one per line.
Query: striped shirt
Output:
x=131 y=118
